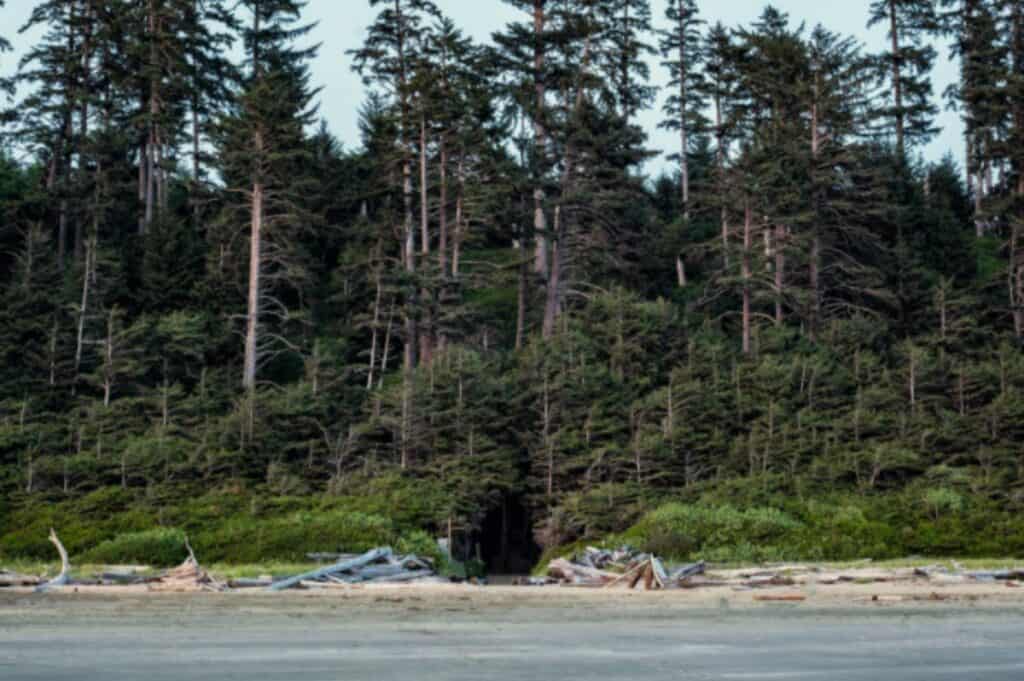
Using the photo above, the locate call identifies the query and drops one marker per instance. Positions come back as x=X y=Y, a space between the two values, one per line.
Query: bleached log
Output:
x=685 y=571
x=65 y=565
x=365 y=559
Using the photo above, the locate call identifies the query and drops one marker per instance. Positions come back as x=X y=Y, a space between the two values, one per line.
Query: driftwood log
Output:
x=64 y=577
x=365 y=559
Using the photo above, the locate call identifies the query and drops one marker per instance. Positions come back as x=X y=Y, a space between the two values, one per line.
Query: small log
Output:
x=65 y=565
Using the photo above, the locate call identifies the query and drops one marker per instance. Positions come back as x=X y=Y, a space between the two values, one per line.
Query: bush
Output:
x=159 y=548
x=242 y=539
x=721 y=533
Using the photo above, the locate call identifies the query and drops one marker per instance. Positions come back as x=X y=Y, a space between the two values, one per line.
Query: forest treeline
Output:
x=489 y=319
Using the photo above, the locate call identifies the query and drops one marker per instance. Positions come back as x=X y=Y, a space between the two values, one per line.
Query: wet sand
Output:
x=471 y=633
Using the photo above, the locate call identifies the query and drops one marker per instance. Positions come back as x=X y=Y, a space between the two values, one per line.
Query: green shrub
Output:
x=722 y=533
x=159 y=548
x=242 y=539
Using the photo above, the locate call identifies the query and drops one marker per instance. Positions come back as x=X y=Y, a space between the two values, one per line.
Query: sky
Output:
x=341 y=26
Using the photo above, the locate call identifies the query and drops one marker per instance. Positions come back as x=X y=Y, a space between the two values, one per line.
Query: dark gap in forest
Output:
x=506 y=538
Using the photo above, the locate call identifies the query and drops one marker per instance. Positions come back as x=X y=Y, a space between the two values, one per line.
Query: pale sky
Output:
x=342 y=25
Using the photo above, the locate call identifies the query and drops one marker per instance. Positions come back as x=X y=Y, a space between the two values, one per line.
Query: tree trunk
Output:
x=780 y=272
x=459 y=217
x=684 y=160
x=426 y=334
x=748 y=226
x=552 y=302
x=897 y=79
x=442 y=222
x=814 y=262
x=376 y=324
x=541 y=238
x=721 y=175
x=424 y=196
x=255 y=267
x=154 y=113
x=521 y=295
x=83 y=310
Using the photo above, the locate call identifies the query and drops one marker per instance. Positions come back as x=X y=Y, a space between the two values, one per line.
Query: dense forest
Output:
x=490 y=320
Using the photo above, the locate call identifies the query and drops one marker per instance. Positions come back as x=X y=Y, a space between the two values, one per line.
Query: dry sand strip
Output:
x=844 y=595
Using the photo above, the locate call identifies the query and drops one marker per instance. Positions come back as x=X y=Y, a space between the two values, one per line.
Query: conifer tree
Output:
x=909 y=112
x=262 y=146
x=208 y=77
x=681 y=49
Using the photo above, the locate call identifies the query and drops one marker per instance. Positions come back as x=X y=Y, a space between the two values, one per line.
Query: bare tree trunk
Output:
x=549 y=448
x=108 y=359
x=552 y=304
x=912 y=382
x=459 y=218
x=143 y=181
x=387 y=347
x=406 y=416
x=521 y=295
x=1016 y=254
x=748 y=220
x=84 y=86
x=780 y=271
x=814 y=262
x=151 y=123
x=373 y=342
x=88 y=275
x=424 y=197
x=426 y=337
x=541 y=237
x=442 y=245
x=897 y=79
x=255 y=268
x=684 y=160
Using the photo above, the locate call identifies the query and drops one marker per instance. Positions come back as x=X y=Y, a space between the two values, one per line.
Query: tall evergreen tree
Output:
x=909 y=112
x=684 y=107
x=262 y=150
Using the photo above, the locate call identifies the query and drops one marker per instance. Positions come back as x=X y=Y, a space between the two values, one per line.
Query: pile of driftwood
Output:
x=188 y=576
x=622 y=568
x=629 y=569
x=378 y=566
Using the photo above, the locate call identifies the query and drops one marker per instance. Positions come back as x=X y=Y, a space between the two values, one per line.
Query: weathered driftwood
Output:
x=564 y=570
x=122 y=578
x=249 y=583
x=686 y=571
x=188 y=576
x=408 y=576
x=367 y=558
x=9 y=579
x=322 y=557
x=65 y=566
x=997 y=575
